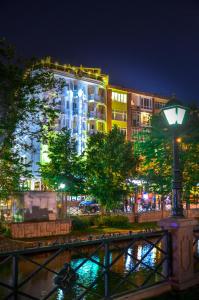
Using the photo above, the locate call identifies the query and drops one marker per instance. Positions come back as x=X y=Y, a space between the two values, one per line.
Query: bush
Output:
x=112 y=221
x=6 y=231
x=80 y=223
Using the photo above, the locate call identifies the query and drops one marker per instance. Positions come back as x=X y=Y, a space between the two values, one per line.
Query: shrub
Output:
x=6 y=231
x=112 y=221
x=80 y=223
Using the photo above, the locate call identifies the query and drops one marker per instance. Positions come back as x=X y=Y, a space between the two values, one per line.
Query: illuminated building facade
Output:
x=131 y=110
x=82 y=107
x=87 y=104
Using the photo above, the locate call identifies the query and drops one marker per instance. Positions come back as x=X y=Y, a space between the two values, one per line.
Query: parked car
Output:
x=89 y=206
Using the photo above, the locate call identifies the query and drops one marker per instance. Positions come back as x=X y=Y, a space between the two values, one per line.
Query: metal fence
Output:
x=97 y=269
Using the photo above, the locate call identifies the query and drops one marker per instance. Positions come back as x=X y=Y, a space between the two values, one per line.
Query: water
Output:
x=90 y=272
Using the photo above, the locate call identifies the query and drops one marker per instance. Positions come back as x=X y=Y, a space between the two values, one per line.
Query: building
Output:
x=82 y=106
x=131 y=110
x=88 y=104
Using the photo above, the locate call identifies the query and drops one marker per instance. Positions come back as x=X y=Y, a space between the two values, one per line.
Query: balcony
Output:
x=96 y=98
x=96 y=115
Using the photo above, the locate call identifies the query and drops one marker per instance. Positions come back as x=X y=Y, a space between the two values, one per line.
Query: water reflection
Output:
x=89 y=272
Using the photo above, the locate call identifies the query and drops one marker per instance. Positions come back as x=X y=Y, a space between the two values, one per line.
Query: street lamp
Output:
x=63 y=201
x=175 y=115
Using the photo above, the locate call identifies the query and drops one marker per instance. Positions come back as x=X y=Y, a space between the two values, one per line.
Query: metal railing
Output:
x=103 y=268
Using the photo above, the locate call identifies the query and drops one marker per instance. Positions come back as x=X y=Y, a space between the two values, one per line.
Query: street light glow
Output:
x=174 y=115
x=62 y=185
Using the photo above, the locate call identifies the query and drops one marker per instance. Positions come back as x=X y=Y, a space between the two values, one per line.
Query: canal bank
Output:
x=9 y=244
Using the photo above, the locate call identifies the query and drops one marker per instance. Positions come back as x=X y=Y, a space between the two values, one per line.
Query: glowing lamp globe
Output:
x=62 y=186
x=174 y=114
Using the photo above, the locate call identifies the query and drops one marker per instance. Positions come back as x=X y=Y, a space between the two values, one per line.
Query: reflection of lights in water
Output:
x=88 y=271
x=128 y=263
x=150 y=259
x=139 y=255
x=110 y=258
x=197 y=247
x=60 y=294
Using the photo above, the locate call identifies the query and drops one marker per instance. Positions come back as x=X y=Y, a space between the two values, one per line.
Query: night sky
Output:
x=147 y=45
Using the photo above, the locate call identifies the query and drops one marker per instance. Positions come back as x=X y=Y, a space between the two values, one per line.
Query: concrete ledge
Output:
x=152 y=291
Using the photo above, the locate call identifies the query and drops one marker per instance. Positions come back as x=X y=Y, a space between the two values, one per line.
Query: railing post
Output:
x=181 y=230
x=15 y=271
x=106 y=275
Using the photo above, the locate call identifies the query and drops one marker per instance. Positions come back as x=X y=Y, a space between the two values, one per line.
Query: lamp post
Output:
x=175 y=116
x=63 y=204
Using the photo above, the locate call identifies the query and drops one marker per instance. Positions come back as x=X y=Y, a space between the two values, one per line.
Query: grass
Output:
x=135 y=227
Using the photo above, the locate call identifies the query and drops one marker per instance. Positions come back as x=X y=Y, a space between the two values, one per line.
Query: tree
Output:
x=109 y=165
x=154 y=150
x=13 y=170
x=27 y=112
x=63 y=167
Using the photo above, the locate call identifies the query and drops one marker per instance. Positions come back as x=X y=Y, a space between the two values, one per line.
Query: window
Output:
x=101 y=126
x=145 y=119
x=135 y=119
x=119 y=97
x=123 y=130
x=159 y=105
x=135 y=133
x=119 y=115
x=146 y=103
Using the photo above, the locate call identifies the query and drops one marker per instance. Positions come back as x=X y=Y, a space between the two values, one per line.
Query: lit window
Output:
x=145 y=119
x=119 y=97
x=119 y=115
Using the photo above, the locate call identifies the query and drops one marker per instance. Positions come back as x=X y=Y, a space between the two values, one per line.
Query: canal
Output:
x=140 y=264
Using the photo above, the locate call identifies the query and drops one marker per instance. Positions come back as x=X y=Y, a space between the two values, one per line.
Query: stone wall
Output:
x=131 y=218
x=153 y=216
x=40 y=229
x=192 y=213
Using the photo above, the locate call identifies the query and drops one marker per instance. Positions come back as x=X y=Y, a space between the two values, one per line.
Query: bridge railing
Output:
x=103 y=268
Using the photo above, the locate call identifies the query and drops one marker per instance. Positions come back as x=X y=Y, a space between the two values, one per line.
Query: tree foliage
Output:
x=64 y=167
x=109 y=165
x=26 y=112
x=154 y=149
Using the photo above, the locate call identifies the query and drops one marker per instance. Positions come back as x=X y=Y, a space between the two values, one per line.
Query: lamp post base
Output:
x=181 y=230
